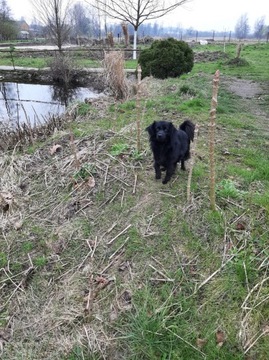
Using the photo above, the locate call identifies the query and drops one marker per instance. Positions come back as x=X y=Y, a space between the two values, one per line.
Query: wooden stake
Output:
x=138 y=107
x=212 y=127
x=193 y=153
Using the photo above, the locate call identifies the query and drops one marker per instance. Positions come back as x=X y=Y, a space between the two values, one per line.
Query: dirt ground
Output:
x=247 y=89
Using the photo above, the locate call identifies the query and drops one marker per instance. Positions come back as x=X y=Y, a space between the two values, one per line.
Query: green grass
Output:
x=169 y=328
x=127 y=269
x=254 y=55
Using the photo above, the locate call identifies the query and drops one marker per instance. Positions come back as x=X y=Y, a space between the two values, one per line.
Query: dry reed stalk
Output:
x=73 y=147
x=138 y=108
x=29 y=125
x=212 y=126
x=115 y=74
x=192 y=160
x=125 y=31
x=110 y=39
x=238 y=50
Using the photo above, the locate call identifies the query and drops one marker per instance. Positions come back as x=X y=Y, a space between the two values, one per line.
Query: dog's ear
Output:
x=151 y=129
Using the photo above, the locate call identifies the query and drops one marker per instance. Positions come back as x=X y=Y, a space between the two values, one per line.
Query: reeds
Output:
x=115 y=77
x=26 y=133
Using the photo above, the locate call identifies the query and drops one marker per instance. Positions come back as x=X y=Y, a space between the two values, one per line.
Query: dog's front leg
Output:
x=169 y=172
x=157 y=168
x=183 y=165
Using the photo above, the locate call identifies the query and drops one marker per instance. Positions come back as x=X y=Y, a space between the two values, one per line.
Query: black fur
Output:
x=170 y=146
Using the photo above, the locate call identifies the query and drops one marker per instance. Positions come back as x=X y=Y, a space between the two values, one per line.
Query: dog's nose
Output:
x=160 y=135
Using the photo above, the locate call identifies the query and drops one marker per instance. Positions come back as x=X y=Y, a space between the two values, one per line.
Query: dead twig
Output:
x=185 y=341
x=161 y=273
x=218 y=270
x=256 y=339
x=161 y=280
x=122 y=232
x=122 y=245
x=135 y=182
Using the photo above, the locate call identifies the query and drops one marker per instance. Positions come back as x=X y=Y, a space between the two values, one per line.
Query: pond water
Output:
x=35 y=103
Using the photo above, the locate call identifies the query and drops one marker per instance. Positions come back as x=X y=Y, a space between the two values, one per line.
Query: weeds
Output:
x=227 y=189
x=119 y=149
x=63 y=69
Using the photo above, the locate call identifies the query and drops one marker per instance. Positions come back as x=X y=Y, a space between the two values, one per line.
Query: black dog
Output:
x=170 y=146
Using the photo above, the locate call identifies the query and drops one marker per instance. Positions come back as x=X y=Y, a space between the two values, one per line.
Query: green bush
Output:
x=166 y=58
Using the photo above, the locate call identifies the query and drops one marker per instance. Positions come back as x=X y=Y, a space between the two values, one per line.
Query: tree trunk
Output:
x=135 y=44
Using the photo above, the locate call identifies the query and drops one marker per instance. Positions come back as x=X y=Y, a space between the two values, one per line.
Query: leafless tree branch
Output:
x=136 y=12
x=53 y=14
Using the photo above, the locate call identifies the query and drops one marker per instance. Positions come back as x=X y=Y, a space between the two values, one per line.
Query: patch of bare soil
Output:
x=205 y=56
x=247 y=89
x=254 y=95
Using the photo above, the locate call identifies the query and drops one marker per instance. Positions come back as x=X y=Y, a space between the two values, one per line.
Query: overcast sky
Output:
x=220 y=15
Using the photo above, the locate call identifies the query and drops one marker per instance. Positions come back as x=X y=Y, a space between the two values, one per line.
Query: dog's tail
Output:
x=188 y=127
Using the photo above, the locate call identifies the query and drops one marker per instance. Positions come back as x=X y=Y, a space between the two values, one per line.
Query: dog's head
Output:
x=160 y=131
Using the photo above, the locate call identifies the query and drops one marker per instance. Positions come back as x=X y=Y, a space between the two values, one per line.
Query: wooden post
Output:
x=212 y=127
x=138 y=107
x=193 y=154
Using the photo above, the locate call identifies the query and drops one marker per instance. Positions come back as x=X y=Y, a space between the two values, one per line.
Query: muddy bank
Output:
x=91 y=77
x=85 y=77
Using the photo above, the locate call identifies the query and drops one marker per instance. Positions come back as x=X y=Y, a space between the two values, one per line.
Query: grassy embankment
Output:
x=33 y=59
x=103 y=262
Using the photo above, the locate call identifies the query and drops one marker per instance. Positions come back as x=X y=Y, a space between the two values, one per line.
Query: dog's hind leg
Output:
x=183 y=165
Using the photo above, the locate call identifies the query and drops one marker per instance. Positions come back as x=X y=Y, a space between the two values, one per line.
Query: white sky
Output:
x=219 y=15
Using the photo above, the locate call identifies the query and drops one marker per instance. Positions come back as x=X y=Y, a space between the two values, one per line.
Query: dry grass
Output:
x=53 y=288
x=115 y=76
x=26 y=133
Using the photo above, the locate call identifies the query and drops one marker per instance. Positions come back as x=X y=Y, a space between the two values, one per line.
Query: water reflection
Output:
x=33 y=102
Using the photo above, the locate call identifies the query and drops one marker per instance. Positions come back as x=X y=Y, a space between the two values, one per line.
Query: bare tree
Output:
x=260 y=28
x=135 y=12
x=8 y=27
x=84 y=20
x=242 y=27
x=4 y=11
x=79 y=20
x=53 y=14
